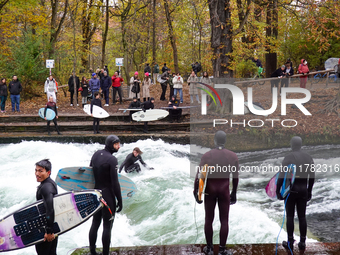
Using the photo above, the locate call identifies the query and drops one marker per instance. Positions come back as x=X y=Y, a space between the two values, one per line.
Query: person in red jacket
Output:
x=303 y=69
x=116 y=86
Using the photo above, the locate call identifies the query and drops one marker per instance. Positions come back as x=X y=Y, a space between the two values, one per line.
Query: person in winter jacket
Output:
x=85 y=91
x=15 y=88
x=193 y=91
x=3 y=94
x=155 y=73
x=135 y=87
x=71 y=87
x=146 y=87
x=303 y=69
x=94 y=84
x=279 y=73
x=178 y=86
x=117 y=87
x=288 y=72
x=51 y=88
x=105 y=85
x=147 y=68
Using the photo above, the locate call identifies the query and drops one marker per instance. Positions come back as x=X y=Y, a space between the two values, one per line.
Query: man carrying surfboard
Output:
x=46 y=191
x=217 y=190
x=96 y=101
x=300 y=192
x=53 y=106
x=105 y=167
x=130 y=164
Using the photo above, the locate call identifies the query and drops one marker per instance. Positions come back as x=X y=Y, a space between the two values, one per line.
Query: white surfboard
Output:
x=97 y=112
x=26 y=226
x=150 y=115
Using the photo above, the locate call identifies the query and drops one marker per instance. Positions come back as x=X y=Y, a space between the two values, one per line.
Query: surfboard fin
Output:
x=82 y=169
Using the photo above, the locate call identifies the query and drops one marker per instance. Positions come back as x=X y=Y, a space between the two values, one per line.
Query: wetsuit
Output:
x=46 y=191
x=52 y=106
x=133 y=105
x=106 y=179
x=96 y=102
x=300 y=192
x=217 y=191
x=146 y=106
x=174 y=113
x=130 y=164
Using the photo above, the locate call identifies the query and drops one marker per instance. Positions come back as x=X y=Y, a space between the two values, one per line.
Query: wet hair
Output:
x=96 y=94
x=46 y=164
x=138 y=150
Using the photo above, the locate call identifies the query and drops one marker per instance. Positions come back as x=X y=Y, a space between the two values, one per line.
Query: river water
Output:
x=164 y=211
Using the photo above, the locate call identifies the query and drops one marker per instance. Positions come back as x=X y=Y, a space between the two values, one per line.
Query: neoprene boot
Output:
x=48 y=129
x=57 y=128
x=208 y=250
x=223 y=251
x=302 y=243
x=93 y=250
x=289 y=246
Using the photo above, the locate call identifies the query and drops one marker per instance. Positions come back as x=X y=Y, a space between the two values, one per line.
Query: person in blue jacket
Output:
x=94 y=84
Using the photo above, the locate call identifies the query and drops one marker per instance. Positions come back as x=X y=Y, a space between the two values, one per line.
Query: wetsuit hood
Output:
x=110 y=141
x=296 y=143
x=220 y=138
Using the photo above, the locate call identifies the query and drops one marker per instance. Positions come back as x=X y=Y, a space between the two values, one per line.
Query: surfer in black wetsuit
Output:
x=146 y=106
x=53 y=106
x=96 y=101
x=174 y=113
x=105 y=167
x=134 y=105
x=46 y=191
x=217 y=190
x=300 y=193
x=130 y=163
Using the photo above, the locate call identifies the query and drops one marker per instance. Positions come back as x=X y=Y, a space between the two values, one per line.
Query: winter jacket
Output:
x=156 y=69
x=15 y=87
x=303 y=69
x=3 y=89
x=207 y=80
x=164 y=69
x=71 y=85
x=192 y=82
x=290 y=71
x=278 y=73
x=147 y=69
x=146 y=88
x=116 y=81
x=94 y=84
x=85 y=87
x=50 y=86
x=178 y=82
x=164 y=76
x=105 y=82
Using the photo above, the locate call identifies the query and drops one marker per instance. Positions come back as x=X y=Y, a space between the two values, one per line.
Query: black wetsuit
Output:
x=106 y=179
x=174 y=113
x=46 y=191
x=52 y=106
x=217 y=191
x=96 y=102
x=146 y=106
x=132 y=105
x=130 y=164
x=300 y=192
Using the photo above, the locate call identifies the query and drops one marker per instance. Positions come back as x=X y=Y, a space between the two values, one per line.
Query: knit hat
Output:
x=93 y=74
x=147 y=74
x=136 y=73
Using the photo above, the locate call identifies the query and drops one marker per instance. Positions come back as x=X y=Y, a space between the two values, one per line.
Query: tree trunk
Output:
x=126 y=56
x=153 y=33
x=105 y=32
x=271 y=32
x=172 y=37
x=221 y=37
x=73 y=18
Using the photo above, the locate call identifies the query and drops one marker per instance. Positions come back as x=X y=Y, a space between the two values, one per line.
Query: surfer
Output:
x=46 y=191
x=174 y=113
x=53 y=106
x=134 y=105
x=299 y=194
x=130 y=163
x=217 y=190
x=146 y=106
x=96 y=101
x=105 y=167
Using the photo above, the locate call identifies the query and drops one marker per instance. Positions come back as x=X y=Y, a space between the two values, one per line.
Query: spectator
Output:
x=117 y=87
x=135 y=86
x=71 y=87
x=279 y=73
x=206 y=80
x=288 y=72
x=289 y=62
x=164 y=68
x=94 y=84
x=146 y=87
x=15 y=88
x=165 y=79
x=303 y=69
x=134 y=105
x=85 y=91
x=107 y=70
x=193 y=91
x=178 y=86
x=257 y=62
x=3 y=94
x=171 y=85
x=105 y=85
x=174 y=113
x=155 y=73
x=147 y=69
x=101 y=74
x=51 y=88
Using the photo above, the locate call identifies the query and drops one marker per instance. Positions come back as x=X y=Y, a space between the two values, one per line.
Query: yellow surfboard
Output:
x=203 y=181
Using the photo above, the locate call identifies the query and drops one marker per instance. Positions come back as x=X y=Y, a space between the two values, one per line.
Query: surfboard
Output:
x=288 y=182
x=180 y=107
x=150 y=115
x=98 y=112
x=50 y=114
x=82 y=178
x=130 y=109
x=203 y=181
x=26 y=226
